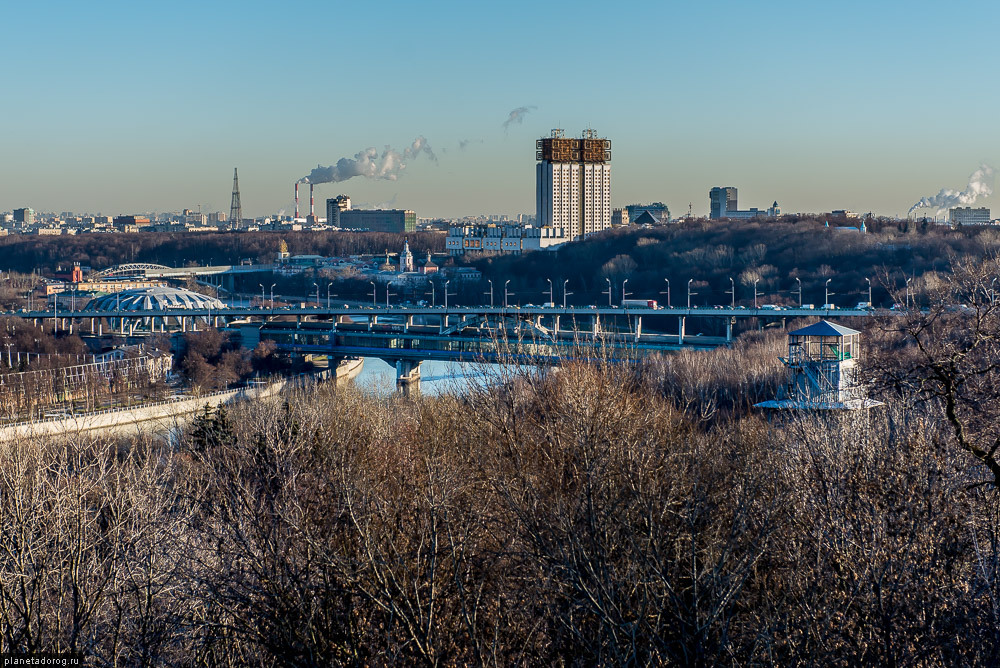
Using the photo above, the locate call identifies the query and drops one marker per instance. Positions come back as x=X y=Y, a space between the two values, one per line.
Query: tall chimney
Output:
x=312 y=206
x=296 y=199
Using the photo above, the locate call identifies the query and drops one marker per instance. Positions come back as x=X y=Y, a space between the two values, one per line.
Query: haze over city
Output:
x=121 y=107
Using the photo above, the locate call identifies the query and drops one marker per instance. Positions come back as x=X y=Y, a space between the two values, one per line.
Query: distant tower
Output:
x=406 y=257
x=235 y=209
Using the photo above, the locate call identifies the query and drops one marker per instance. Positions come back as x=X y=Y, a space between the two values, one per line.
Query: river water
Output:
x=436 y=378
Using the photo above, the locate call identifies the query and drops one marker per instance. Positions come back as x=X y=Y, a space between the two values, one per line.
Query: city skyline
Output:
x=120 y=108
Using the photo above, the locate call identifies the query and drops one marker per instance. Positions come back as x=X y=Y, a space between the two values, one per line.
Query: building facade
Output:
x=657 y=210
x=25 y=216
x=334 y=206
x=723 y=203
x=378 y=220
x=505 y=238
x=573 y=183
x=967 y=215
x=722 y=200
x=619 y=217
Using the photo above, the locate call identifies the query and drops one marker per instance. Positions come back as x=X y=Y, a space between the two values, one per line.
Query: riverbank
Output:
x=160 y=416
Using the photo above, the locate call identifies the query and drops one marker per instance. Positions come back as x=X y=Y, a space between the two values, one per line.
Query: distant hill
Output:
x=773 y=253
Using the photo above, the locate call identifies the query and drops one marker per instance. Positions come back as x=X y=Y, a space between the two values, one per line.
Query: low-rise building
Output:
x=657 y=213
x=377 y=220
x=505 y=238
x=967 y=215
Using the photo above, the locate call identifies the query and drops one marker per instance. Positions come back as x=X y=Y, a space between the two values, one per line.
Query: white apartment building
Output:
x=573 y=184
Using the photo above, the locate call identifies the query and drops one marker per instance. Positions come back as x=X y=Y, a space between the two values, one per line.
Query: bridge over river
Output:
x=405 y=336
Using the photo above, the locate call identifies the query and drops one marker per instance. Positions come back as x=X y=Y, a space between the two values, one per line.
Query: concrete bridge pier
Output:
x=729 y=330
x=408 y=376
x=638 y=327
x=680 y=330
x=597 y=325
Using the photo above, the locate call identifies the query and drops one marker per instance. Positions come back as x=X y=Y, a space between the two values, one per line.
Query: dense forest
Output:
x=772 y=253
x=591 y=514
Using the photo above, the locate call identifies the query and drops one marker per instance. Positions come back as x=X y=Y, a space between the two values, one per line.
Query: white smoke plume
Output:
x=980 y=185
x=369 y=164
x=517 y=116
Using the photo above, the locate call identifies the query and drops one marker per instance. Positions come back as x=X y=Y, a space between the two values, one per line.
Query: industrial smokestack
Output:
x=296 y=199
x=312 y=205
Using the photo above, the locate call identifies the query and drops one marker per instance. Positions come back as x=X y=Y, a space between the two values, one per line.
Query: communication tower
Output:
x=235 y=209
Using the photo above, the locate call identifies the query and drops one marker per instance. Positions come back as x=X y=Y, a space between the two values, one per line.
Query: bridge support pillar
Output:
x=555 y=327
x=408 y=376
x=638 y=327
x=597 y=324
x=680 y=330
x=729 y=330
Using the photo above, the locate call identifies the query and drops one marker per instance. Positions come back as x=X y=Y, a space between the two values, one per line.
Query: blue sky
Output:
x=124 y=106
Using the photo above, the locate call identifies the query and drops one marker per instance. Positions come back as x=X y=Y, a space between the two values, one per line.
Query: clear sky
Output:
x=120 y=107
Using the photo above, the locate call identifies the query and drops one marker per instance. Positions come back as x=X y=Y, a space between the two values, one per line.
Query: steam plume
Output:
x=517 y=116
x=370 y=164
x=980 y=185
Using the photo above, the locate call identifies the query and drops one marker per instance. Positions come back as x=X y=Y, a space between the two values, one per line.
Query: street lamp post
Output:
x=755 y=282
x=506 y=283
x=565 y=293
x=328 y=286
x=690 y=281
x=732 y=291
x=799 y=290
x=908 y=292
x=316 y=285
x=668 y=292
x=261 y=294
x=552 y=299
x=373 y=294
x=827 y=293
x=490 y=281
x=870 y=291
x=609 y=290
x=624 y=283
x=445 y=294
x=272 y=295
